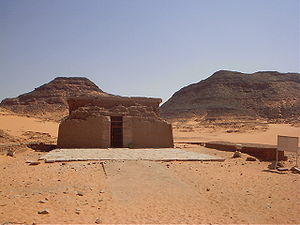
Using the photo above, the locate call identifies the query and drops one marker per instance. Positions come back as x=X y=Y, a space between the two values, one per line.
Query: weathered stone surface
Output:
x=116 y=104
x=163 y=154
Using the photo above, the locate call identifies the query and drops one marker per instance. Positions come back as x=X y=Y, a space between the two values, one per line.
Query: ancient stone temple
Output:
x=114 y=121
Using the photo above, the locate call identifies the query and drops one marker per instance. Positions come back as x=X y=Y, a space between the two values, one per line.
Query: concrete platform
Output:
x=163 y=154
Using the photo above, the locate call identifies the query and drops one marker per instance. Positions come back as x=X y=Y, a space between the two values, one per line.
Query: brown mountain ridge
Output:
x=52 y=96
x=268 y=95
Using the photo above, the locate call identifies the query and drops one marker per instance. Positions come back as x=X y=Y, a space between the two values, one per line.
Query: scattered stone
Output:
x=101 y=191
x=42 y=201
x=237 y=154
x=207 y=189
x=77 y=211
x=34 y=163
x=250 y=159
x=40 y=146
x=10 y=153
x=79 y=193
x=98 y=221
x=295 y=169
x=282 y=169
x=44 y=211
x=63 y=164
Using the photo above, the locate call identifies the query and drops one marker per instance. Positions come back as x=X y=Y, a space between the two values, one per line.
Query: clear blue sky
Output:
x=143 y=47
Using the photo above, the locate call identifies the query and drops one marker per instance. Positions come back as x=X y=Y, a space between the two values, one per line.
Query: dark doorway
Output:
x=116 y=131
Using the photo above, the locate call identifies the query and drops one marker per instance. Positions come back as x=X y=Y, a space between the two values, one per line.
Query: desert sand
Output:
x=249 y=132
x=234 y=191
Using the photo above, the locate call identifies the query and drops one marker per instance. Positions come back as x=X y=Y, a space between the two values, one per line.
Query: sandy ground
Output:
x=22 y=127
x=234 y=191
x=262 y=134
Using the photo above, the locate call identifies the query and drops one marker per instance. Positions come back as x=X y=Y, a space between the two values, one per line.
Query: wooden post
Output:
x=297 y=158
x=276 y=163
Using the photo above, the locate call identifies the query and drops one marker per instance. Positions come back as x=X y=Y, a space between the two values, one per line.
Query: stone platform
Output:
x=261 y=151
x=163 y=154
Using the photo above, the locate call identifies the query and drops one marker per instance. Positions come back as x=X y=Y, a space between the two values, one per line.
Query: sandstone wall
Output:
x=93 y=132
x=143 y=133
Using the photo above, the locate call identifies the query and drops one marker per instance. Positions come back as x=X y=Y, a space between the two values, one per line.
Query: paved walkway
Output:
x=163 y=154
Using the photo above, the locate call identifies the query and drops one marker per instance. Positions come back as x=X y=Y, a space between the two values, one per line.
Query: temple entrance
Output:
x=116 y=134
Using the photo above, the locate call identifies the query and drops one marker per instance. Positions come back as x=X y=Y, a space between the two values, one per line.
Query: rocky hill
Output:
x=268 y=95
x=52 y=97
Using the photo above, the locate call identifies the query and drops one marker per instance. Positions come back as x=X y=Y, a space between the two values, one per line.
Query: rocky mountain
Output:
x=52 y=96
x=267 y=94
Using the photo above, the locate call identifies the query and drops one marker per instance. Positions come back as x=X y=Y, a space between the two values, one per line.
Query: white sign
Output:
x=285 y=143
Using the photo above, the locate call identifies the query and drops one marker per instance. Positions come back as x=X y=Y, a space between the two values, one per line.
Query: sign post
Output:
x=286 y=143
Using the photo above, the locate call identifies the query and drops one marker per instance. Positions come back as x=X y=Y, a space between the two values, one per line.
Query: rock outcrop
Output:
x=52 y=97
x=268 y=95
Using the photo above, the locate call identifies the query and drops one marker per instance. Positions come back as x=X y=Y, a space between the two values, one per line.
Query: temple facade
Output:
x=114 y=122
